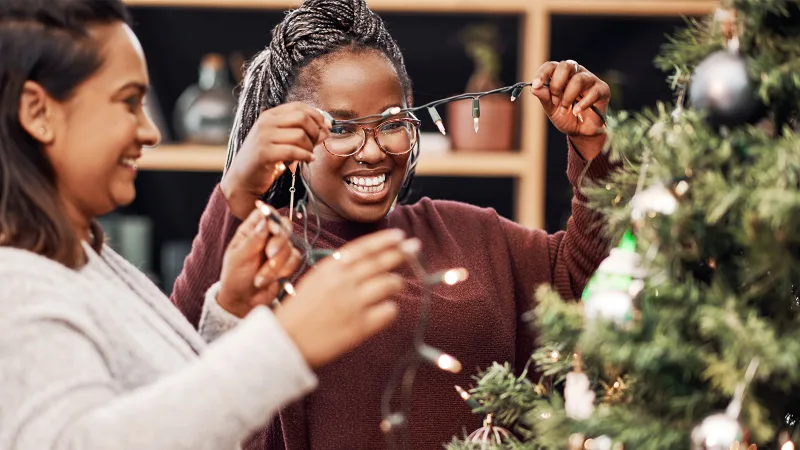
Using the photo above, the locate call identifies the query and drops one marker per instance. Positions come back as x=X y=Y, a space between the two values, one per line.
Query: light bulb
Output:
x=476 y=113
x=439 y=358
x=515 y=93
x=437 y=119
x=454 y=276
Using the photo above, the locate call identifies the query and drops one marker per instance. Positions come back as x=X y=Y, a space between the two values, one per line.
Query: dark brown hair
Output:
x=310 y=33
x=47 y=42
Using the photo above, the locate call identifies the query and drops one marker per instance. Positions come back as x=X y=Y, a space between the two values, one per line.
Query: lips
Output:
x=368 y=189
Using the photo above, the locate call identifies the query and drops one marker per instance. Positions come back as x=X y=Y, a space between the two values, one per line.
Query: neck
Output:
x=80 y=222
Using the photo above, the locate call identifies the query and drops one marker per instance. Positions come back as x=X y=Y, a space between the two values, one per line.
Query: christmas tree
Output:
x=688 y=335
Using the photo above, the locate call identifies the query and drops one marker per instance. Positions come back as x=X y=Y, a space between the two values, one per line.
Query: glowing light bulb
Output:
x=789 y=445
x=289 y=288
x=554 y=355
x=448 y=363
x=454 y=276
x=439 y=358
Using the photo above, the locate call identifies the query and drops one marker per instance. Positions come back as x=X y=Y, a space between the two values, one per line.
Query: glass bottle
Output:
x=204 y=112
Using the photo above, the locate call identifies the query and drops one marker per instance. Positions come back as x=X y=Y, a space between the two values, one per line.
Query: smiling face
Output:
x=99 y=132
x=361 y=187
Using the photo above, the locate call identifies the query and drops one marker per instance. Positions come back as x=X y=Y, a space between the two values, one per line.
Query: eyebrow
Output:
x=142 y=88
x=347 y=114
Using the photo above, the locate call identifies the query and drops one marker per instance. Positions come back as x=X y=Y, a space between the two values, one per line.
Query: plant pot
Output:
x=496 y=131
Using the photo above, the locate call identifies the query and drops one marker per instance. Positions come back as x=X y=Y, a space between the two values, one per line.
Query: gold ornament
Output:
x=489 y=433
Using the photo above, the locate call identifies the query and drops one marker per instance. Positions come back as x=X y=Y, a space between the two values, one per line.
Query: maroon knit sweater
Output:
x=477 y=321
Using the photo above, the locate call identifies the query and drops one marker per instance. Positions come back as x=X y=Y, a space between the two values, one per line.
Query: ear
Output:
x=36 y=112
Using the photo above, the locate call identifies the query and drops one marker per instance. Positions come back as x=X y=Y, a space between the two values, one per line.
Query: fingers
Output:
x=575 y=88
x=254 y=226
x=378 y=317
x=599 y=94
x=559 y=79
x=379 y=288
x=384 y=261
x=368 y=246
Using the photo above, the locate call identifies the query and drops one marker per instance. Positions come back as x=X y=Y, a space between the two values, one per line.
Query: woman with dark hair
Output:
x=337 y=56
x=92 y=354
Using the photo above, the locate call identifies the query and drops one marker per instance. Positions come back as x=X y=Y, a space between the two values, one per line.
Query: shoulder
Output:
x=29 y=280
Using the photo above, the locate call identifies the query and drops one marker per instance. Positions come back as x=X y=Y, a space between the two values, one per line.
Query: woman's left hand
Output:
x=567 y=92
x=257 y=258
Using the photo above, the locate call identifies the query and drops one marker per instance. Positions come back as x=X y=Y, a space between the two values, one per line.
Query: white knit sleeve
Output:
x=214 y=319
x=58 y=392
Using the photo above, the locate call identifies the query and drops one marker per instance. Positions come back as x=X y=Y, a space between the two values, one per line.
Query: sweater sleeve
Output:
x=203 y=266
x=565 y=259
x=215 y=320
x=58 y=392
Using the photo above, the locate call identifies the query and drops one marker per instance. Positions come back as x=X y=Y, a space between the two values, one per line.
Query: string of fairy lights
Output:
x=395 y=421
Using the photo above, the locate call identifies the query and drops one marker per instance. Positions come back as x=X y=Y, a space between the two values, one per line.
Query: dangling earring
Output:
x=291 y=196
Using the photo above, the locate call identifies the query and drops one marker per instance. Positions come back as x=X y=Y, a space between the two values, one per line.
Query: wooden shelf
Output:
x=578 y=7
x=632 y=7
x=497 y=6
x=194 y=158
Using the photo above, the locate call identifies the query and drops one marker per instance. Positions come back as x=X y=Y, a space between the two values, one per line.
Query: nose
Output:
x=372 y=152
x=148 y=133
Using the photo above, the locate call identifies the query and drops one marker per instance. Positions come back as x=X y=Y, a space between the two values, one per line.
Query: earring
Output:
x=291 y=198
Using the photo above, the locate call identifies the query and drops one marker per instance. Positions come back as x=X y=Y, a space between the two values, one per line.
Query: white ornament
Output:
x=656 y=199
x=578 y=397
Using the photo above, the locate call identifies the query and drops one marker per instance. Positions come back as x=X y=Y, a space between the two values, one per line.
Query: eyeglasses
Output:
x=394 y=137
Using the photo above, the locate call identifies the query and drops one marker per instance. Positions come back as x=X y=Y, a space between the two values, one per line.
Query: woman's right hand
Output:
x=287 y=132
x=344 y=299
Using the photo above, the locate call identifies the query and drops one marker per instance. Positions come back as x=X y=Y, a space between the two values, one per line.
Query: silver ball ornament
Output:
x=722 y=88
x=717 y=432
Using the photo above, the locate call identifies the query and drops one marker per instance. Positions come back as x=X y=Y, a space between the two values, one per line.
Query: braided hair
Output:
x=316 y=29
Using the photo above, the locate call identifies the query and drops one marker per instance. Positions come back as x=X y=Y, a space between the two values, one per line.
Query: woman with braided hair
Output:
x=336 y=56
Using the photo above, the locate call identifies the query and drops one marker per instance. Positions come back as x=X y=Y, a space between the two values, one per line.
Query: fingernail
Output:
x=556 y=100
x=274 y=228
x=576 y=110
x=258 y=282
x=262 y=225
x=410 y=246
x=537 y=83
x=580 y=118
x=272 y=250
x=272 y=263
x=397 y=235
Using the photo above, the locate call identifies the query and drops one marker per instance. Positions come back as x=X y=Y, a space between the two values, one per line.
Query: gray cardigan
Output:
x=100 y=359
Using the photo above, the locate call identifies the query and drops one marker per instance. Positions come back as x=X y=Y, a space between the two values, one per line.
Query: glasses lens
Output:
x=344 y=139
x=397 y=137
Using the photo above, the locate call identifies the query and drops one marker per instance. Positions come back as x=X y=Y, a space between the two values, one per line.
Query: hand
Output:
x=558 y=86
x=341 y=302
x=288 y=132
x=258 y=256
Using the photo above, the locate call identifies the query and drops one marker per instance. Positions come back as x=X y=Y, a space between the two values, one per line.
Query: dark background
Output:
x=620 y=50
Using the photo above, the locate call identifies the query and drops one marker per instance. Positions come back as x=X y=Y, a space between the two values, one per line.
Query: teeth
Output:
x=367 y=181
x=367 y=184
x=129 y=162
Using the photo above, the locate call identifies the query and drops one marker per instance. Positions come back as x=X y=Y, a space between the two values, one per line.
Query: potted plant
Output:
x=483 y=45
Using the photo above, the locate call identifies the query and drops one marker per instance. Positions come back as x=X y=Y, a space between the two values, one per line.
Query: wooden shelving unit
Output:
x=528 y=165
x=198 y=158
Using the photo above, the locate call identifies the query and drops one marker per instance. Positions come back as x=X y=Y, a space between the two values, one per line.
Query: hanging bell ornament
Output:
x=656 y=199
x=489 y=434
x=722 y=431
